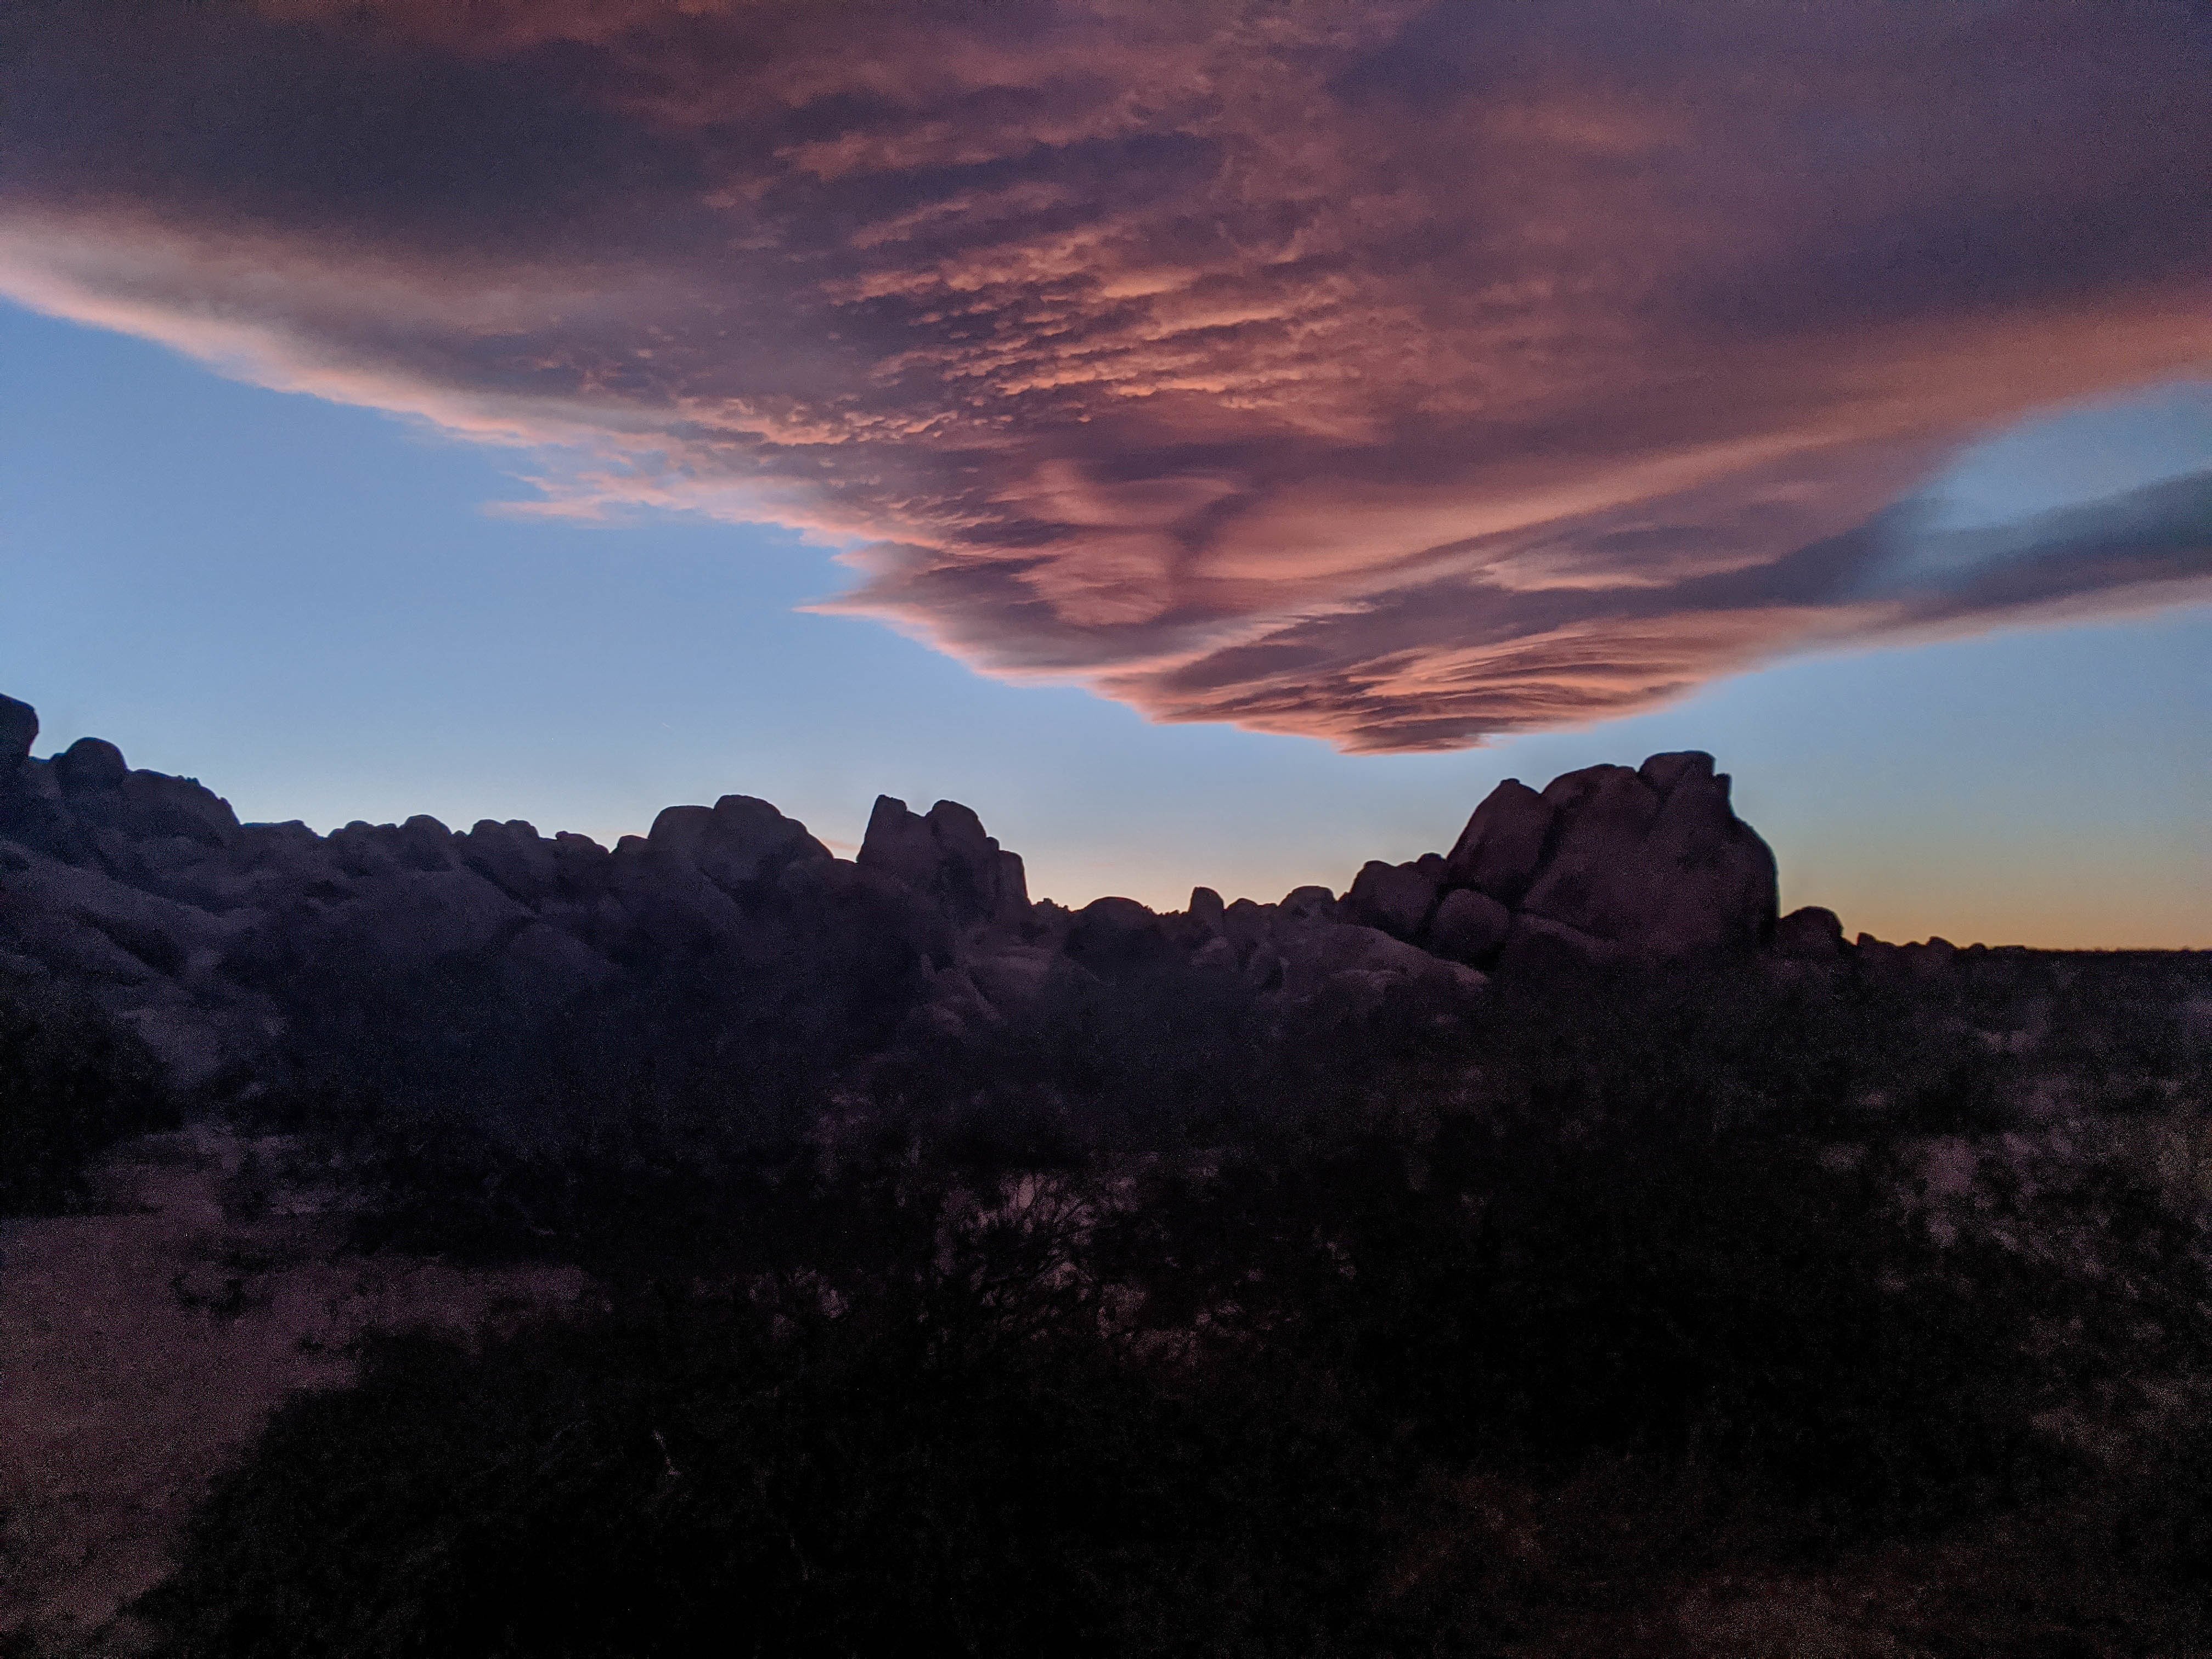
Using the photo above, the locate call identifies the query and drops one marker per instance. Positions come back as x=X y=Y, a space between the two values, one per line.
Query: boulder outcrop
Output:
x=1812 y=933
x=1469 y=925
x=1397 y=898
x=945 y=855
x=147 y=893
x=736 y=840
x=19 y=730
x=1649 y=861
x=1654 y=860
x=1498 y=852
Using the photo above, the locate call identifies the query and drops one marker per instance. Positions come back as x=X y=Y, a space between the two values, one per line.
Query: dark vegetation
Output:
x=71 y=1083
x=1149 y=1325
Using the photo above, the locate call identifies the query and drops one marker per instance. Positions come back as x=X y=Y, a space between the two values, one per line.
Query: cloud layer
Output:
x=1396 y=374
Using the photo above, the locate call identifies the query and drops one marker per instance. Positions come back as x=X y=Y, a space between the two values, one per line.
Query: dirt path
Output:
x=142 y=1348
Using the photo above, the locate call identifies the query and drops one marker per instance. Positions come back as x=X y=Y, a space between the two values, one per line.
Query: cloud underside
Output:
x=1393 y=374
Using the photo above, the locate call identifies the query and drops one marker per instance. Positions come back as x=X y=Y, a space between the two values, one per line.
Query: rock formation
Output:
x=1604 y=863
x=147 y=893
x=947 y=854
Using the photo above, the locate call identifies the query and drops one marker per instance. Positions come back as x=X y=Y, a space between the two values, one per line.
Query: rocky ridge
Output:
x=148 y=893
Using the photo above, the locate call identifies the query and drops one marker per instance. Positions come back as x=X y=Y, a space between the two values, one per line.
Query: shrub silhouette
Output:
x=71 y=1083
x=1151 y=1326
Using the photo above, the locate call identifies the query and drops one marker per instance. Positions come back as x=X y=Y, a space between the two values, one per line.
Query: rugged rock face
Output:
x=737 y=840
x=1605 y=863
x=1503 y=842
x=1469 y=925
x=1812 y=933
x=146 y=891
x=1397 y=898
x=945 y=855
x=19 y=730
x=1653 y=860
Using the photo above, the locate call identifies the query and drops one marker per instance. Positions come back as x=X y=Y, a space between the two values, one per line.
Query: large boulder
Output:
x=736 y=840
x=99 y=791
x=413 y=918
x=19 y=730
x=1538 y=948
x=947 y=854
x=90 y=764
x=82 y=925
x=668 y=907
x=423 y=844
x=1115 y=935
x=512 y=856
x=1318 y=955
x=1812 y=933
x=1500 y=849
x=1208 y=914
x=1394 y=898
x=1014 y=976
x=1654 y=860
x=1468 y=926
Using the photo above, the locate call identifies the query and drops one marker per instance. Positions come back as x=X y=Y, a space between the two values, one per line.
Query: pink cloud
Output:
x=1396 y=374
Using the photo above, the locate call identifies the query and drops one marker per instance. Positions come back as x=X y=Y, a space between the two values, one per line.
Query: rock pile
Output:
x=146 y=891
x=1605 y=862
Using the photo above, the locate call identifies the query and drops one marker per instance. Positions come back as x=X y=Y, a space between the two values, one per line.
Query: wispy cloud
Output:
x=1395 y=374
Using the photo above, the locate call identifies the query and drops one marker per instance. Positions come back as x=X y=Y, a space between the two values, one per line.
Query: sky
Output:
x=1215 y=442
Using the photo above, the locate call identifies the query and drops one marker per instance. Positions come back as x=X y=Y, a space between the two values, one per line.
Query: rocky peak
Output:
x=19 y=730
x=945 y=853
x=89 y=765
x=1649 y=861
x=1498 y=851
x=739 y=839
x=1664 y=772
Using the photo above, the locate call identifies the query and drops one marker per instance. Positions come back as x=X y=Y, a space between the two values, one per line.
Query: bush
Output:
x=1158 y=1323
x=71 y=1083
x=919 y=1475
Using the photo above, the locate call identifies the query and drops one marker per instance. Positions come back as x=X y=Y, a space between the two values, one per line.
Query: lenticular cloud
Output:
x=1394 y=373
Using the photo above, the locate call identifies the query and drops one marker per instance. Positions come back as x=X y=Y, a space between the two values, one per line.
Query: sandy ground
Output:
x=142 y=1348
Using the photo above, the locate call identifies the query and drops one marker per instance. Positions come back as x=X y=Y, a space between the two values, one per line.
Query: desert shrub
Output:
x=1502 y=1296
x=1161 y=1322
x=71 y=1083
x=925 y=1471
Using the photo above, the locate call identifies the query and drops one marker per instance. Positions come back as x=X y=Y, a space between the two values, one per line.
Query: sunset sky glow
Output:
x=1216 y=440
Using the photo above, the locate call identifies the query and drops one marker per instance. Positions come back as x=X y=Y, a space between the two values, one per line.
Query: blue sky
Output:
x=319 y=610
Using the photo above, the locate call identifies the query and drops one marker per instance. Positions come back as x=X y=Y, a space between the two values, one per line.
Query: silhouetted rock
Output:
x=1112 y=935
x=19 y=730
x=90 y=764
x=1662 y=872
x=1207 y=909
x=1537 y=947
x=145 y=891
x=1664 y=772
x=423 y=844
x=1394 y=898
x=947 y=854
x=1468 y=926
x=156 y=804
x=1320 y=955
x=1812 y=933
x=1014 y=976
x=1503 y=844
x=514 y=857
x=1931 y=958
x=736 y=840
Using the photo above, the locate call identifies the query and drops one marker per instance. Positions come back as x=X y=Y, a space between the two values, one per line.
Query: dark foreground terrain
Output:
x=1542 y=1248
